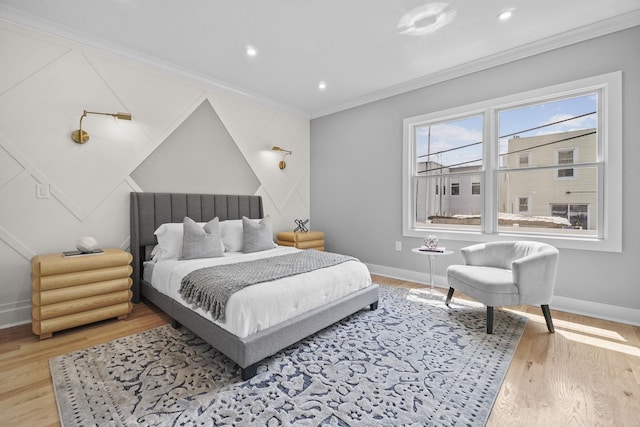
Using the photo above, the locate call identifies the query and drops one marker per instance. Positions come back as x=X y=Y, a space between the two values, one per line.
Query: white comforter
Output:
x=263 y=305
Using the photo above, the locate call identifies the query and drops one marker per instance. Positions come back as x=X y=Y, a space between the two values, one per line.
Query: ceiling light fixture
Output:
x=506 y=14
x=426 y=19
x=251 y=51
x=79 y=136
x=282 y=164
x=322 y=85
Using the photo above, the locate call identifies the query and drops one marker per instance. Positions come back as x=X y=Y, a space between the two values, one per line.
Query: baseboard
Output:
x=15 y=313
x=598 y=310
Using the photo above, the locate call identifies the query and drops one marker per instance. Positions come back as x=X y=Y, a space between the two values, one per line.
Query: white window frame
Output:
x=609 y=239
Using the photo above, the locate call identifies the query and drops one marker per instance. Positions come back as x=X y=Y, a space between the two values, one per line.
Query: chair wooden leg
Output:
x=449 y=296
x=489 y=320
x=547 y=317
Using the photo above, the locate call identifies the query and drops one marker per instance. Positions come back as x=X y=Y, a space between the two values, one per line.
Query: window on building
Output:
x=523 y=205
x=565 y=157
x=576 y=215
x=491 y=144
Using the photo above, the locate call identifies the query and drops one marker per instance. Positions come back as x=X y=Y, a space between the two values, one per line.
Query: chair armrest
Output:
x=535 y=276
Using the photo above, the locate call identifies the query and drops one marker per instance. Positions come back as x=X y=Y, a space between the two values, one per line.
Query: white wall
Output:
x=356 y=174
x=45 y=84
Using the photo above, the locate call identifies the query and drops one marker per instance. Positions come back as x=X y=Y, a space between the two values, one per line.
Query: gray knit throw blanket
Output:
x=210 y=288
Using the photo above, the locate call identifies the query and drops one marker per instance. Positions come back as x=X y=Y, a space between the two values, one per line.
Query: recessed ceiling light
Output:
x=505 y=14
x=250 y=51
x=322 y=85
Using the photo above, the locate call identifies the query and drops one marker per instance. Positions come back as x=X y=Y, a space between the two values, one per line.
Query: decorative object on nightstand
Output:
x=73 y=291
x=300 y=240
x=87 y=244
x=301 y=225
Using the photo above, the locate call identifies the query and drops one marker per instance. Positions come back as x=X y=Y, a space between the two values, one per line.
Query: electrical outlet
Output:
x=42 y=191
x=398 y=246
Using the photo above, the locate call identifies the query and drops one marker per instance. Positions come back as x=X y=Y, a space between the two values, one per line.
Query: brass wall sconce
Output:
x=282 y=164
x=79 y=136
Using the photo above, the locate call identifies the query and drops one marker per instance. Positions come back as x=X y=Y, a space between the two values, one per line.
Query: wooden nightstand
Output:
x=300 y=240
x=74 y=291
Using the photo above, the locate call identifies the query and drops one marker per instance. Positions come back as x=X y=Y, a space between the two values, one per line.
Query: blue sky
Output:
x=458 y=133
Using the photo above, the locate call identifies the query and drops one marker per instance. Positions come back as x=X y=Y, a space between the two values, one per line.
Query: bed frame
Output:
x=150 y=210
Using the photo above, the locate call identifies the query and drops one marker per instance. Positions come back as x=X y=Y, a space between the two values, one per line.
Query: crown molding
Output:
x=598 y=29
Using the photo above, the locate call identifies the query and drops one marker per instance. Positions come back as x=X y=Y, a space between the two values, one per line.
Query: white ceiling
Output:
x=355 y=46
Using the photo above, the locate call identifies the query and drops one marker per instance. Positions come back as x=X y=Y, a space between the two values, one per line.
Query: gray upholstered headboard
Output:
x=150 y=210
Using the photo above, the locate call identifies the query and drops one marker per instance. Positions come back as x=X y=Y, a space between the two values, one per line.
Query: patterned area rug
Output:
x=413 y=361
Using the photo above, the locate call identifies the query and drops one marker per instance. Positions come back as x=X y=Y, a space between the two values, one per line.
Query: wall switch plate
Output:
x=398 y=246
x=42 y=191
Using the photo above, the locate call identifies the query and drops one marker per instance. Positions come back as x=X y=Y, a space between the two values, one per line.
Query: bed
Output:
x=150 y=210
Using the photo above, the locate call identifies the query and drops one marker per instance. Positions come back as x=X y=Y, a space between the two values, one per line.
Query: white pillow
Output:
x=170 y=237
x=231 y=235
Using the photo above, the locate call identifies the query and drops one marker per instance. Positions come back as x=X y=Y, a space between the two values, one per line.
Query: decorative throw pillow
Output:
x=257 y=236
x=199 y=241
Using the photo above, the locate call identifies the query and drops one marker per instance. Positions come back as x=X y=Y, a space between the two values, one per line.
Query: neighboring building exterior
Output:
x=525 y=190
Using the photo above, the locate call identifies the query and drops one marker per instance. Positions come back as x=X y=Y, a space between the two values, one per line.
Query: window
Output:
x=517 y=149
x=446 y=154
x=565 y=157
x=523 y=205
x=523 y=160
x=576 y=215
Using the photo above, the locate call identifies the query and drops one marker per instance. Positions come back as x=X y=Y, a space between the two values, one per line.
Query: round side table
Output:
x=432 y=255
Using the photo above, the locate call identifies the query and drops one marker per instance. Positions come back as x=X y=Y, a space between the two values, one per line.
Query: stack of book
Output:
x=439 y=249
x=300 y=240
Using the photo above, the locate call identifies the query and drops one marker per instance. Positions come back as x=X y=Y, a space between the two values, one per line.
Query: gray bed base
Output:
x=149 y=210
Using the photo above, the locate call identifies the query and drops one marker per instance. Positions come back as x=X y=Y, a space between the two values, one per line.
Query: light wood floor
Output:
x=586 y=374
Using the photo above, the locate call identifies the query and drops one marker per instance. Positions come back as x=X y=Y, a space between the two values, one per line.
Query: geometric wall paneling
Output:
x=31 y=172
x=256 y=127
x=41 y=225
x=215 y=140
x=109 y=222
x=54 y=95
x=282 y=183
x=198 y=157
x=283 y=217
x=15 y=300
x=23 y=54
x=156 y=100
x=9 y=167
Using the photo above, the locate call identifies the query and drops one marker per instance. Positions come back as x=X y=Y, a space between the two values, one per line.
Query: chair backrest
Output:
x=501 y=254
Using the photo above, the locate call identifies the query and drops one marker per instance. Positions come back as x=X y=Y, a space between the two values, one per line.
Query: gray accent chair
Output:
x=505 y=274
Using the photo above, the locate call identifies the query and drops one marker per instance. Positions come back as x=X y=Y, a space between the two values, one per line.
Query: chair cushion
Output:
x=486 y=279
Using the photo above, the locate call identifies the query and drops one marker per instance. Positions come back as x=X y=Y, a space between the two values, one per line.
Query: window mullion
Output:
x=489 y=166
